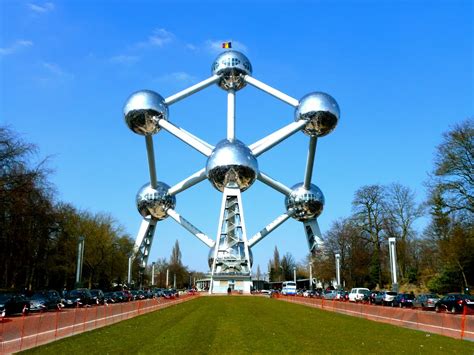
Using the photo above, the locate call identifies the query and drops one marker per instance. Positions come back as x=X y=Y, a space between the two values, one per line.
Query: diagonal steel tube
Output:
x=187 y=138
x=276 y=137
x=271 y=91
x=191 y=90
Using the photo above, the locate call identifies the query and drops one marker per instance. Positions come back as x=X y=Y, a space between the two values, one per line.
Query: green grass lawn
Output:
x=245 y=325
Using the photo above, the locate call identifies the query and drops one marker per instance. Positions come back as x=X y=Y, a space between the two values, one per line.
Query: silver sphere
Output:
x=210 y=257
x=155 y=202
x=321 y=111
x=232 y=66
x=142 y=111
x=307 y=204
x=231 y=164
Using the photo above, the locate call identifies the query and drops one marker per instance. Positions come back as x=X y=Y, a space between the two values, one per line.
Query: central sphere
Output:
x=231 y=164
x=155 y=202
x=306 y=203
x=232 y=66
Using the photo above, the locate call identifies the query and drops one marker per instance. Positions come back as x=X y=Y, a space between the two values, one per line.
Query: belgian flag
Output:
x=227 y=45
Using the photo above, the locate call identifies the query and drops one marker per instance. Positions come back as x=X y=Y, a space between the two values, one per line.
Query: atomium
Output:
x=232 y=168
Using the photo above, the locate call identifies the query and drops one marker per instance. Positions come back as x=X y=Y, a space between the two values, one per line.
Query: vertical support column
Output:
x=167 y=277
x=338 y=270
x=311 y=275
x=231 y=114
x=151 y=160
x=80 y=260
x=393 y=262
x=310 y=162
x=294 y=274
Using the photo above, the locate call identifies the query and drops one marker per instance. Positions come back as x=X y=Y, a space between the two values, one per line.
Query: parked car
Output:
x=329 y=294
x=127 y=295
x=403 y=300
x=385 y=298
x=13 y=303
x=79 y=297
x=358 y=294
x=372 y=296
x=426 y=301
x=97 y=296
x=109 y=297
x=454 y=302
x=44 y=300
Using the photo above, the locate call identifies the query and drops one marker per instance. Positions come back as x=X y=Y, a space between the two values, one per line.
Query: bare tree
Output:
x=454 y=168
x=401 y=212
x=369 y=213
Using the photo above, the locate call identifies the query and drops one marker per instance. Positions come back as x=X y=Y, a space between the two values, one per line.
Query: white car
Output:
x=357 y=294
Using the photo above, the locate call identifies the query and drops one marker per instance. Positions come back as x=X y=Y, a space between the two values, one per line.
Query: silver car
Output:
x=426 y=301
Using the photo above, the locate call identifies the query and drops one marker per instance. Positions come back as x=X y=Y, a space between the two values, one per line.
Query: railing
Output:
x=23 y=332
x=460 y=326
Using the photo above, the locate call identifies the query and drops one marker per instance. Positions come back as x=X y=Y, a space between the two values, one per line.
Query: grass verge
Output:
x=242 y=325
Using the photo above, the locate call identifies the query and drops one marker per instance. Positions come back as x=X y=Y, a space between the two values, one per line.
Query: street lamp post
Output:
x=338 y=270
x=294 y=274
x=393 y=262
x=129 y=278
x=80 y=260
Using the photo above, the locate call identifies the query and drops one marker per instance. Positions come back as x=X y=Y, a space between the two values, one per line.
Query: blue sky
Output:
x=401 y=71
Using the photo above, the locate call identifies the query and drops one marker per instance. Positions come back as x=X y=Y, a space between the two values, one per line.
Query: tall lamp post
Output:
x=80 y=260
x=393 y=262
x=129 y=278
x=338 y=270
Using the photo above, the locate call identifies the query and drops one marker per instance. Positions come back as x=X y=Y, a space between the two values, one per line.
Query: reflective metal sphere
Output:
x=232 y=66
x=210 y=257
x=307 y=204
x=231 y=164
x=321 y=111
x=155 y=202
x=142 y=111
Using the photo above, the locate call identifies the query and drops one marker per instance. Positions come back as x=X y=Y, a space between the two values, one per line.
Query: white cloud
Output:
x=181 y=77
x=215 y=46
x=124 y=59
x=15 y=47
x=41 y=9
x=158 y=38
x=56 y=71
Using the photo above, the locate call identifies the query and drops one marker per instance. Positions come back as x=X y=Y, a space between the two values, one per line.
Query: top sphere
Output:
x=231 y=66
x=142 y=111
x=321 y=111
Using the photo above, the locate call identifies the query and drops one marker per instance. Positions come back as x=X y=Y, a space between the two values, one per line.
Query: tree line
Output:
x=439 y=258
x=39 y=235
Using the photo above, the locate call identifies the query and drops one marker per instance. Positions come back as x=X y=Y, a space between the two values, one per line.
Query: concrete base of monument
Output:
x=236 y=283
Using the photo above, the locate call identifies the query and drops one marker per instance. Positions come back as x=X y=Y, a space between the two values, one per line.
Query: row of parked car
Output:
x=452 y=302
x=21 y=303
